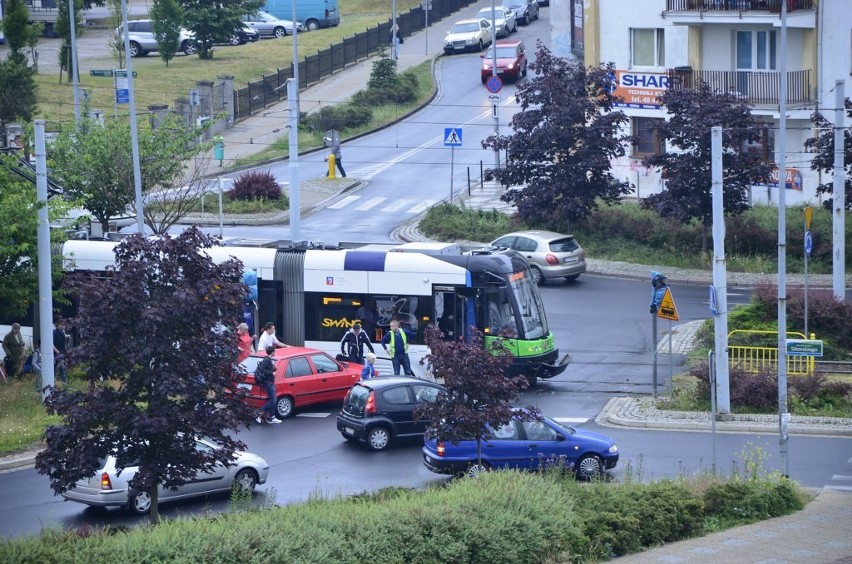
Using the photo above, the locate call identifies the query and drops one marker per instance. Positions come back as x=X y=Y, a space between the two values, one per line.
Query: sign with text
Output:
x=792 y=179
x=640 y=89
x=804 y=347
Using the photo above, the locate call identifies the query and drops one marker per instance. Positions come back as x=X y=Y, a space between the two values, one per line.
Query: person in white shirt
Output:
x=268 y=338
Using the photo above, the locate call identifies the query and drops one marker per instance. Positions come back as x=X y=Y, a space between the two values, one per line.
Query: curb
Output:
x=21 y=460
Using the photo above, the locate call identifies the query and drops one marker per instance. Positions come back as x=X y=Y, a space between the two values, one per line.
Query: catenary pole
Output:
x=134 y=129
x=720 y=274
x=75 y=75
x=45 y=284
x=783 y=416
x=838 y=276
x=295 y=205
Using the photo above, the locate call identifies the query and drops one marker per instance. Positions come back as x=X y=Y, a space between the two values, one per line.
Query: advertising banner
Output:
x=640 y=89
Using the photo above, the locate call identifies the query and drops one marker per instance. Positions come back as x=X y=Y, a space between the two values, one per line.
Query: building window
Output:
x=763 y=147
x=648 y=47
x=647 y=139
x=756 y=50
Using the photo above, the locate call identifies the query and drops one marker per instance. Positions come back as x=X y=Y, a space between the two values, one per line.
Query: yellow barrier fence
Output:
x=753 y=356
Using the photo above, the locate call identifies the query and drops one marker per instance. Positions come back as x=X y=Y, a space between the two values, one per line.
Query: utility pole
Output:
x=75 y=76
x=720 y=285
x=394 y=39
x=45 y=284
x=838 y=276
x=495 y=103
x=293 y=161
x=134 y=129
x=783 y=415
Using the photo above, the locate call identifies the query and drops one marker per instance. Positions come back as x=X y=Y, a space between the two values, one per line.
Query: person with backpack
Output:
x=353 y=342
x=264 y=375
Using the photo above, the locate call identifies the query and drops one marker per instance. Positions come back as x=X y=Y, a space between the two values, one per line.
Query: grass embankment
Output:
x=500 y=517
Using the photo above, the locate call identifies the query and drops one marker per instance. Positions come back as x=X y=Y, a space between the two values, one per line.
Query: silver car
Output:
x=504 y=19
x=142 y=40
x=268 y=25
x=550 y=254
x=525 y=10
x=109 y=488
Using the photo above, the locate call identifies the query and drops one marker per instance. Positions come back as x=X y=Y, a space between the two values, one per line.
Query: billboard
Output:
x=639 y=89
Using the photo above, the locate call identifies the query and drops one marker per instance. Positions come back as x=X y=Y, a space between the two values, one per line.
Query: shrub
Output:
x=449 y=222
x=748 y=390
x=255 y=186
x=745 y=501
x=339 y=117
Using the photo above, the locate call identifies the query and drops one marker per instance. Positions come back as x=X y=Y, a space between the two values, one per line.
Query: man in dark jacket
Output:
x=264 y=375
x=353 y=342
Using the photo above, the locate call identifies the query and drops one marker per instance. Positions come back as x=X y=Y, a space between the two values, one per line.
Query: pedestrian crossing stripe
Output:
x=452 y=137
x=391 y=205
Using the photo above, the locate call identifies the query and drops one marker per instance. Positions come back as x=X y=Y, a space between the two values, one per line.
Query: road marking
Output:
x=397 y=205
x=372 y=202
x=837 y=477
x=343 y=203
x=315 y=415
x=421 y=207
x=571 y=419
x=839 y=488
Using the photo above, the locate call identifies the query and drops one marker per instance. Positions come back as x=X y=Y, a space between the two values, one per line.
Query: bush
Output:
x=748 y=390
x=340 y=117
x=255 y=186
x=449 y=222
x=739 y=501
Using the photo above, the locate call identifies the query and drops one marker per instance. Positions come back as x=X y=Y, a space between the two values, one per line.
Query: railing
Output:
x=271 y=89
x=754 y=357
x=758 y=87
x=773 y=6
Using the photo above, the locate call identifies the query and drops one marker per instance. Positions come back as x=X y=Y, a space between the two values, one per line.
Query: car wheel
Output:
x=589 y=467
x=480 y=45
x=572 y=278
x=139 y=502
x=135 y=49
x=515 y=27
x=189 y=48
x=312 y=25
x=235 y=40
x=378 y=438
x=245 y=480
x=524 y=71
x=537 y=276
x=476 y=469
x=532 y=380
x=284 y=407
x=279 y=32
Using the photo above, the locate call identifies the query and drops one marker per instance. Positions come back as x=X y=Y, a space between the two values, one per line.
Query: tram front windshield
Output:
x=533 y=323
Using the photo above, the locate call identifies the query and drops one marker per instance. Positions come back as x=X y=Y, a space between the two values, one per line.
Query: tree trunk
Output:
x=154 y=514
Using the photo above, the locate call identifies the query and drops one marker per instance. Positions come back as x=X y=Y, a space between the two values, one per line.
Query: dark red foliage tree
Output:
x=159 y=366
x=823 y=161
x=686 y=167
x=477 y=390
x=563 y=141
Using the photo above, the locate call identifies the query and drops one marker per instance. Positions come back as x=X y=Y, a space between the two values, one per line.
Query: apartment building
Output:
x=733 y=45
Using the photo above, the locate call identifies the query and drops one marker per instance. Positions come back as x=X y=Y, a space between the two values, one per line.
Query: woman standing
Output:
x=243 y=342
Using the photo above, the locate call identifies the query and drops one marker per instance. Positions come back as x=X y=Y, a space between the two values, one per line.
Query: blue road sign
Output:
x=809 y=243
x=714 y=305
x=494 y=84
x=452 y=137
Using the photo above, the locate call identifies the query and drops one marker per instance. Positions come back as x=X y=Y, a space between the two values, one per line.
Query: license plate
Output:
x=427 y=457
x=349 y=430
x=571 y=260
x=458 y=47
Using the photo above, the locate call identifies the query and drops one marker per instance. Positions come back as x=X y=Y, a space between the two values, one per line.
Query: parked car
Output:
x=468 y=35
x=511 y=60
x=268 y=25
x=303 y=376
x=551 y=255
x=243 y=35
x=525 y=445
x=381 y=410
x=109 y=486
x=543 y=3
x=504 y=20
x=526 y=11
x=142 y=39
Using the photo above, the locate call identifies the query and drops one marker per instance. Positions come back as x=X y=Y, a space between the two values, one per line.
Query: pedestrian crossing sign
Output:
x=667 y=309
x=452 y=137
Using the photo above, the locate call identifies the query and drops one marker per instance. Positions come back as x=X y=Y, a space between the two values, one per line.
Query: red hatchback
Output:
x=302 y=377
x=511 y=60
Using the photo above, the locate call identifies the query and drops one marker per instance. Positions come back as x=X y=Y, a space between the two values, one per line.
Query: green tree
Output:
x=167 y=21
x=14 y=25
x=823 y=145
x=158 y=365
x=215 y=22
x=563 y=142
x=79 y=154
x=17 y=93
x=686 y=194
x=34 y=32
x=62 y=27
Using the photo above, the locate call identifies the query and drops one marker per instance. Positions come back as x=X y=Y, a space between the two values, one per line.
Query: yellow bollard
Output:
x=331 y=167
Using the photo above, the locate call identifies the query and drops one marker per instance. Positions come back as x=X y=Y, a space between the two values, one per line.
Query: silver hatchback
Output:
x=550 y=254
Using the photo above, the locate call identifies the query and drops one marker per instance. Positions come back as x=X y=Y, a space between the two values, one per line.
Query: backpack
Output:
x=28 y=364
x=264 y=372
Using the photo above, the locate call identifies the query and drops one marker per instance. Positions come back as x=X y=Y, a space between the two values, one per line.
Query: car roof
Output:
x=474 y=20
x=508 y=42
x=542 y=235
x=288 y=352
x=386 y=382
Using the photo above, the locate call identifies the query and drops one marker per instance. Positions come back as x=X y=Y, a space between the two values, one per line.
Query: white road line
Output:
x=315 y=415
x=343 y=203
x=397 y=205
x=570 y=419
x=839 y=488
x=421 y=207
x=838 y=477
x=372 y=202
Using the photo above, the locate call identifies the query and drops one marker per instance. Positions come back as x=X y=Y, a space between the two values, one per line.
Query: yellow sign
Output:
x=809 y=212
x=667 y=309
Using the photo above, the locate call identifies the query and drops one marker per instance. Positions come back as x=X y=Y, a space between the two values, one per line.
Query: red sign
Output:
x=792 y=179
x=640 y=89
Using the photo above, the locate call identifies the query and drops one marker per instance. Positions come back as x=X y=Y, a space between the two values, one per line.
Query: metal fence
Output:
x=757 y=351
x=736 y=5
x=758 y=87
x=271 y=89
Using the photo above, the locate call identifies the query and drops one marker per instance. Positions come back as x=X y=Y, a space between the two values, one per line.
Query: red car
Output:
x=511 y=60
x=302 y=377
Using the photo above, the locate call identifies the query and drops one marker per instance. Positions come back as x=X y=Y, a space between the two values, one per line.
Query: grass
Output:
x=23 y=419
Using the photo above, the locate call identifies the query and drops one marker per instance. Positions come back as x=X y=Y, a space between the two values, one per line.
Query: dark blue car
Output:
x=527 y=445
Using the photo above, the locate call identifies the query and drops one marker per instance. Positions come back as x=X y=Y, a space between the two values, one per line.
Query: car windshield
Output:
x=569 y=430
x=486 y=14
x=267 y=17
x=530 y=305
x=514 y=6
x=250 y=364
x=465 y=27
x=564 y=245
x=502 y=53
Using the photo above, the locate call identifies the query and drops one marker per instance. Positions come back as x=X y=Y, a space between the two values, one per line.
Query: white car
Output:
x=109 y=487
x=468 y=35
x=268 y=25
x=504 y=20
x=142 y=40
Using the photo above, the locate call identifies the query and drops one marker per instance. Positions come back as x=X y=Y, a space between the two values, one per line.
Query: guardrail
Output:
x=758 y=87
x=773 y=6
x=754 y=356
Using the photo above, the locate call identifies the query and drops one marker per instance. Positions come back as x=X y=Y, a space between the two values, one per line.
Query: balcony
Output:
x=771 y=6
x=760 y=88
x=800 y=13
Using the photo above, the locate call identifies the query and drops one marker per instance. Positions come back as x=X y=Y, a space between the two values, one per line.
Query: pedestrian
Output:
x=264 y=375
x=13 y=346
x=338 y=155
x=59 y=348
x=398 y=339
x=369 y=370
x=243 y=342
x=36 y=364
x=268 y=338
x=353 y=342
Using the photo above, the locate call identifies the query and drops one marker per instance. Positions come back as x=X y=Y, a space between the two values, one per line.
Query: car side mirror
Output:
x=482 y=56
x=560 y=438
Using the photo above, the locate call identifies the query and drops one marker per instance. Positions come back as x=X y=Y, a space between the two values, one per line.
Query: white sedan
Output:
x=468 y=35
x=504 y=19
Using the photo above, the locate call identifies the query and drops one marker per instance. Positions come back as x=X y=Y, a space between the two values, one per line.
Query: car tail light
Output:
x=551 y=259
x=370 y=408
x=106 y=484
x=440 y=450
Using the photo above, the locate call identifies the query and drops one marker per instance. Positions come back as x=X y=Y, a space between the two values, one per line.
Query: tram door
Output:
x=451 y=311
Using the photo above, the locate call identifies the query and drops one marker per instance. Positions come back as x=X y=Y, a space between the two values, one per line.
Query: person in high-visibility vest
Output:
x=397 y=339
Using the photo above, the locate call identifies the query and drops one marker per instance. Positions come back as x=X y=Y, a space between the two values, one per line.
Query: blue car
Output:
x=527 y=445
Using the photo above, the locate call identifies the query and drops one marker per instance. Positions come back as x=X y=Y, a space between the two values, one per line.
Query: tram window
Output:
x=500 y=315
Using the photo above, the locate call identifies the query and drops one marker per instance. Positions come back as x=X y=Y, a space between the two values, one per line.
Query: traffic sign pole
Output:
x=809 y=247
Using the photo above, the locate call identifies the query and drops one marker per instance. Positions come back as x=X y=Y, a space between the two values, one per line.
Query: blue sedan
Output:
x=528 y=445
